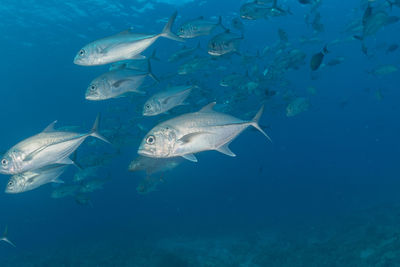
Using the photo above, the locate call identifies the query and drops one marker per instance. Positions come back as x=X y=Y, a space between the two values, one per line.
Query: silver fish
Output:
x=30 y=180
x=46 y=148
x=116 y=83
x=198 y=27
x=166 y=100
x=224 y=43
x=195 y=132
x=184 y=52
x=122 y=46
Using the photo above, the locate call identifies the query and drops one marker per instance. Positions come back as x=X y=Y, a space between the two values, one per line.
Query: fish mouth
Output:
x=144 y=152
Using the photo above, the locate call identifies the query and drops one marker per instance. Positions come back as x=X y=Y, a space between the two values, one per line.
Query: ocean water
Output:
x=324 y=192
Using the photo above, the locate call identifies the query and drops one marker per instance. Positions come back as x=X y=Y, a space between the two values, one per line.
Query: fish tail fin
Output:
x=325 y=50
x=5 y=238
x=150 y=72
x=167 y=33
x=220 y=23
x=153 y=55
x=256 y=119
x=95 y=130
x=390 y=4
x=358 y=37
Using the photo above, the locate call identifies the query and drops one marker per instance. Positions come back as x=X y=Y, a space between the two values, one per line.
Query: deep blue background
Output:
x=322 y=163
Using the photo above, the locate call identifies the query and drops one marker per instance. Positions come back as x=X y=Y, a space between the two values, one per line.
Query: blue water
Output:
x=323 y=193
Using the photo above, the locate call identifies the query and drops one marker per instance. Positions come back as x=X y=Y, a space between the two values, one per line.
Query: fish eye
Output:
x=82 y=52
x=10 y=183
x=148 y=106
x=93 y=87
x=150 y=139
x=4 y=162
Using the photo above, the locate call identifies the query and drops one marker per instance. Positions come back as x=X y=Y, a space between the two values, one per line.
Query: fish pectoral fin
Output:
x=224 y=149
x=120 y=82
x=57 y=181
x=66 y=161
x=137 y=57
x=189 y=137
x=34 y=153
x=50 y=127
x=190 y=157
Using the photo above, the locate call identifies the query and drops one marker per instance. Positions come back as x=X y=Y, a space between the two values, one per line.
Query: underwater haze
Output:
x=238 y=133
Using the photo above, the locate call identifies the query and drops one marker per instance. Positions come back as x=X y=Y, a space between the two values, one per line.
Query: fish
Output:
x=117 y=83
x=372 y=22
x=122 y=46
x=184 y=52
x=234 y=79
x=163 y=101
x=384 y=70
x=92 y=185
x=224 y=43
x=4 y=238
x=254 y=11
x=137 y=64
x=335 y=61
x=194 y=65
x=30 y=180
x=46 y=148
x=237 y=24
x=153 y=165
x=65 y=191
x=83 y=174
x=198 y=27
x=316 y=59
x=297 y=106
x=392 y=48
x=191 y=133
x=149 y=184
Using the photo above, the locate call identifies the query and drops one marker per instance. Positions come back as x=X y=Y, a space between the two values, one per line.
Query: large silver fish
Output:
x=30 y=180
x=195 y=132
x=122 y=46
x=166 y=100
x=46 y=148
x=198 y=27
x=116 y=83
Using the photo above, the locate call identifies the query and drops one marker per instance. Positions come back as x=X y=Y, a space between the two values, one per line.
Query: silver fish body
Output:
x=115 y=83
x=195 y=132
x=224 y=43
x=46 y=148
x=30 y=180
x=198 y=27
x=122 y=46
x=166 y=100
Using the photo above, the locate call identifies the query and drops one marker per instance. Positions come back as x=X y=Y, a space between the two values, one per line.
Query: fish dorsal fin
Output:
x=190 y=157
x=127 y=31
x=50 y=127
x=208 y=108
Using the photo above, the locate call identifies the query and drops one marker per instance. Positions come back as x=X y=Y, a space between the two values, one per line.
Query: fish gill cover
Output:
x=200 y=133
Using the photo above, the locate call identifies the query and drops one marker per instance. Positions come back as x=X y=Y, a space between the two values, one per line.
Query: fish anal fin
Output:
x=224 y=149
x=190 y=157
